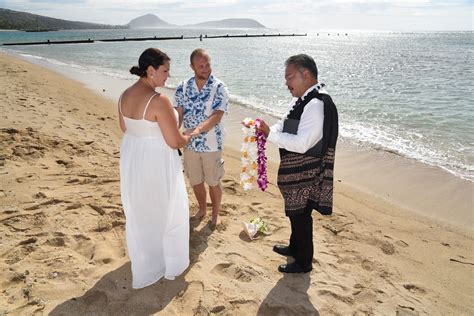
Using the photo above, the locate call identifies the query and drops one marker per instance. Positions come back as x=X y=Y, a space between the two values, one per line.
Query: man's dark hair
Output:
x=302 y=62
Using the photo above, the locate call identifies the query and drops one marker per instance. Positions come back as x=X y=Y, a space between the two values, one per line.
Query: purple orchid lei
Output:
x=262 y=178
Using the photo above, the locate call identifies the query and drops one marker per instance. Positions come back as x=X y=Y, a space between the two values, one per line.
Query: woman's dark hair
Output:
x=150 y=57
x=303 y=61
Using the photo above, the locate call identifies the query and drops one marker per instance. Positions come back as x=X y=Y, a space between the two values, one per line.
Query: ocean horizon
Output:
x=410 y=93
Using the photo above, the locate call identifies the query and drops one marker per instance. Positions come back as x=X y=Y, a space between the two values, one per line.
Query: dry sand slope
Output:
x=62 y=230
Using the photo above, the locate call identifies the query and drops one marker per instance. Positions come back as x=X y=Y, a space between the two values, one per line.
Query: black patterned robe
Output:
x=306 y=180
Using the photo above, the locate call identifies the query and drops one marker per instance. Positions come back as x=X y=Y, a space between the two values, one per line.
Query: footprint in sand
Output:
x=23 y=179
x=401 y=243
x=414 y=288
x=387 y=248
x=25 y=222
x=20 y=276
x=230 y=185
x=49 y=202
x=73 y=206
x=348 y=260
x=39 y=195
x=84 y=246
x=31 y=240
x=72 y=181
x=65 y=163
x=95 y=300
x=192 y=298
x=221 y=226
x=217 y=309
x=239 y=272
x=336 y=296
x=368 y=265
x=56 y=242
x=227 y=209
x=246 y=307
x=108 y=222
x=406 y=311
x=18 y=253
x=365 y=296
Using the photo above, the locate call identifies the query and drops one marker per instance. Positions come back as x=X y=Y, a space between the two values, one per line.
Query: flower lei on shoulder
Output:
x=254 y=161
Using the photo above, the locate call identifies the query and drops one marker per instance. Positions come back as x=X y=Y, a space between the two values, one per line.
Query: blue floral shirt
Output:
x=198 y=106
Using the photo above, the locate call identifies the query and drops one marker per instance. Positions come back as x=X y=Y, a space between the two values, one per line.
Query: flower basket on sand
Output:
x=255 y=226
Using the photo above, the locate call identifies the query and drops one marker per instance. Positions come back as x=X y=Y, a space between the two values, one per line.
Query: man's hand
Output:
x=264 y=128
x=246 y=125
x=193 y=132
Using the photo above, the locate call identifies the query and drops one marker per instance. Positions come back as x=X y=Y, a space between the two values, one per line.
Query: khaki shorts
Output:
x=203 y=167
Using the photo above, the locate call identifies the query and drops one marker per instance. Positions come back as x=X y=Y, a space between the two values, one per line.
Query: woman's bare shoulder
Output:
x=161 y=101
x=162 y=96
x=131 y=93
x=129 y=90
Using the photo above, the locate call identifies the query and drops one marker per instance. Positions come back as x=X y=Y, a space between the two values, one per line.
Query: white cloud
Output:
x=334 y=14
x=185 y=5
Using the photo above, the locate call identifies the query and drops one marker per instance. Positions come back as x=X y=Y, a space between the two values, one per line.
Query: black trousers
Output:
x=301 y=239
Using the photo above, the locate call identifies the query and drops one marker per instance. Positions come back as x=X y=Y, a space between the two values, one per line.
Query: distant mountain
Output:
x=151 y=21
x=231 y=23
x=17 y=20
x=148 y=21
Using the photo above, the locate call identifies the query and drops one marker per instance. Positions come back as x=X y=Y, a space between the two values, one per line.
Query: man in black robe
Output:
x=307 y=139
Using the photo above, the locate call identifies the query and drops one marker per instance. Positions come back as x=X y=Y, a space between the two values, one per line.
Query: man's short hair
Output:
x=198 y=52
x=302 y=62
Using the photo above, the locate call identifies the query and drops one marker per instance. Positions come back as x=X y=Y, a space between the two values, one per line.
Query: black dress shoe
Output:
x=283 y=250
x=294 y=268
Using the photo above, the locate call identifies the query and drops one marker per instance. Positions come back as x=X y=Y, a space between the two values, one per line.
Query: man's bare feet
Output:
x=215 y=218
x=199 y=215
x=214 y=224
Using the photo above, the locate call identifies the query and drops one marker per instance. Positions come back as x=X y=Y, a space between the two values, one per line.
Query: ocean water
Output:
x=407 y=93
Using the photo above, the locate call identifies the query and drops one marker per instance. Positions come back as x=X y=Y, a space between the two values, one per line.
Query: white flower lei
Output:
x=249 y=157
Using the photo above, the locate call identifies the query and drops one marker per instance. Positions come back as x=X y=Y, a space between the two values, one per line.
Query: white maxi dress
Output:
x=155 y=203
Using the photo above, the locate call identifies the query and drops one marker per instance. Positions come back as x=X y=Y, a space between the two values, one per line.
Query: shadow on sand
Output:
x=113 y=293
x=289 y=297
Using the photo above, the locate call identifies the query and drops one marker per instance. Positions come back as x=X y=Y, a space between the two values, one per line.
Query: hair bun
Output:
x=136 y=71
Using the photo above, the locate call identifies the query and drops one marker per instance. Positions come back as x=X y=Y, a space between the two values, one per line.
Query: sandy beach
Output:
x=400 y=240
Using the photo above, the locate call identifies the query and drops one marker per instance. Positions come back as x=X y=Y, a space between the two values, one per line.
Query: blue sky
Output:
x=404 y=15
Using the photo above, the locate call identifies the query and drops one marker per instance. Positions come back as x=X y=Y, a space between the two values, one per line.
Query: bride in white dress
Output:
x=152 y=186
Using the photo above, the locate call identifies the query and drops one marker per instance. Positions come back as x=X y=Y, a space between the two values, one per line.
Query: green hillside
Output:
x=16 y=20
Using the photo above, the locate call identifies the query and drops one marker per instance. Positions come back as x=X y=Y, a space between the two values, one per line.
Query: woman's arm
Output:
x=166 y=119
x=121 y=121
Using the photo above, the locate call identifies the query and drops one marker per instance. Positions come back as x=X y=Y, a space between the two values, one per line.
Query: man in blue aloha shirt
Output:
x=201 y=102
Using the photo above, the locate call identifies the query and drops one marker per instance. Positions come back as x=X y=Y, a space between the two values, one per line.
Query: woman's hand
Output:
x=187 y=138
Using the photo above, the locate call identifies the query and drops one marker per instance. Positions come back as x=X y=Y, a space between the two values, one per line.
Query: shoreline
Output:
x=96 y=81
x=387 y=175
x=62 y=229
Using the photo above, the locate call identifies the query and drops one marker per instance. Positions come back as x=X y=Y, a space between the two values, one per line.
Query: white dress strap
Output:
x=120 y=104
x=146 y=107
